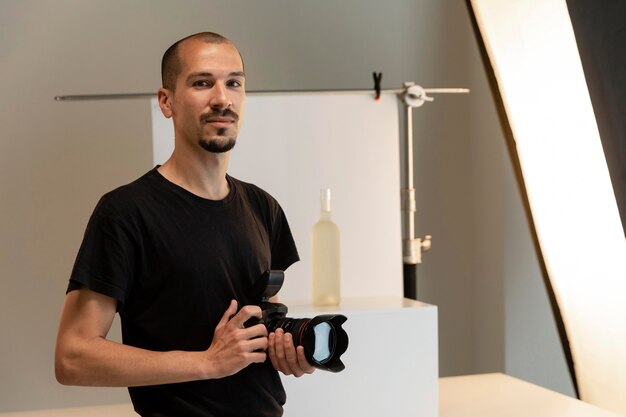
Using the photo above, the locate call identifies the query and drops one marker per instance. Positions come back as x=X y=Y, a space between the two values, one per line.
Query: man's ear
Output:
x=164 y=96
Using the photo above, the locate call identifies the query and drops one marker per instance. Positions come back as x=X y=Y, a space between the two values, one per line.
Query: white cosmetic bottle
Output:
x=325 y=260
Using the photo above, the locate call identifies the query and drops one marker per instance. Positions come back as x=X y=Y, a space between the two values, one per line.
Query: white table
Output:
x=391 y=362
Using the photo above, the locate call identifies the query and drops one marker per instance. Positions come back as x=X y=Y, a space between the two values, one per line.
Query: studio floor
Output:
x=485 y=395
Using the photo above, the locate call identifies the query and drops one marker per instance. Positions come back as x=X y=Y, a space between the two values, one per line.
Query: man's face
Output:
x=207 y=104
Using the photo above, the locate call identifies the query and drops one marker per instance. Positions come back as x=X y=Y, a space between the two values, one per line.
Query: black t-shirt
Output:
x=173 y=261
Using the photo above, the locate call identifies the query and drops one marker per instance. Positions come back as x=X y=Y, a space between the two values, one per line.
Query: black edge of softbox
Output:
x=600 y=31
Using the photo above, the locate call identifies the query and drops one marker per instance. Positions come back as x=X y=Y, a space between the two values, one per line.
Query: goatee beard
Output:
x=217 y=146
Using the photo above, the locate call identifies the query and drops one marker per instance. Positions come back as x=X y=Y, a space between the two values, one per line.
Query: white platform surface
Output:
x=499 y=395
x=489 y=395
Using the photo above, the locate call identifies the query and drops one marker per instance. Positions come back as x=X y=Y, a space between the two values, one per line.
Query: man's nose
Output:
x=219 y=98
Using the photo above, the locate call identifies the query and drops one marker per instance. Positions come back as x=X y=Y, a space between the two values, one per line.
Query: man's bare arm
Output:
x=85 y=357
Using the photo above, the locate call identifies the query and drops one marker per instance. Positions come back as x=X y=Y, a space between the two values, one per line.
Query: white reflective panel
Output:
x=533 y=50
x=294 y=144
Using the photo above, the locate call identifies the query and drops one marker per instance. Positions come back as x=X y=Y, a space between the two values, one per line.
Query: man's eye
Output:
x=234 y=83
x=202 y=83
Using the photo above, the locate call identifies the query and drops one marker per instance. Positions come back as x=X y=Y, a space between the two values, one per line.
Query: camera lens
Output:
x=322 y=337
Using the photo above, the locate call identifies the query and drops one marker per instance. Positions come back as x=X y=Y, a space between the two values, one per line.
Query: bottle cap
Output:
x=325 y=199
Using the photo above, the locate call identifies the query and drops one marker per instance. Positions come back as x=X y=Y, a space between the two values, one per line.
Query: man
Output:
x=176 y=253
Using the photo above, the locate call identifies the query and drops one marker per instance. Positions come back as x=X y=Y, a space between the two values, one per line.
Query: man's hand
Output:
x=234 y=347
x=285 y=357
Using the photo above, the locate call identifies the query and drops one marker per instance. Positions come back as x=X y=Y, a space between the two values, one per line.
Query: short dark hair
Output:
x=171 y=65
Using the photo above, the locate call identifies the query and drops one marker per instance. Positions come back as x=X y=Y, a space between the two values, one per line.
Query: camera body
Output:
x=322 y=337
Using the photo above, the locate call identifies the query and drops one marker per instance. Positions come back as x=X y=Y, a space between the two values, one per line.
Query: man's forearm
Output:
x=84 y=356
x=101 y=362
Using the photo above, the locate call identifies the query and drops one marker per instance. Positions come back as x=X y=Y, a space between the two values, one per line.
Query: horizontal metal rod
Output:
x=89 y=97
x=447 y=90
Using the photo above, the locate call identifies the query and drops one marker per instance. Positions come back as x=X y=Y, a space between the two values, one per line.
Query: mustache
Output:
x=205 y=118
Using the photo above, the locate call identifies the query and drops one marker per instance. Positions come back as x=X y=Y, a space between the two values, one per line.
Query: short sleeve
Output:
x=283 y=247
x=105 y=261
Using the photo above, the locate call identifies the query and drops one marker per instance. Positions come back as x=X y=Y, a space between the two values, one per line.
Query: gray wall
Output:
x=57 y=159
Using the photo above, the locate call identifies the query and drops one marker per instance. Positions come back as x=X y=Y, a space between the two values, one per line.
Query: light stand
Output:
x=413 y=96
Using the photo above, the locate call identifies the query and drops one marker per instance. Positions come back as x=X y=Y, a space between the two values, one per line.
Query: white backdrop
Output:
x=293 y=144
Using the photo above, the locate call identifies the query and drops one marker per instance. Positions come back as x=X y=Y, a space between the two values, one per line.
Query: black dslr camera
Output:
x=322 y=337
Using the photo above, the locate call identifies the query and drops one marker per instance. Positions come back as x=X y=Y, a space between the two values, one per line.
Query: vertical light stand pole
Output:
x=412 y=247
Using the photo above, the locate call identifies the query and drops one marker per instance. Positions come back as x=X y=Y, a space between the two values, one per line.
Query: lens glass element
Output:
x=322 y=342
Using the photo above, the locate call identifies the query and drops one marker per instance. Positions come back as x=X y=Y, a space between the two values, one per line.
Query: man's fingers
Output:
x=257 y=357
x=260 y=344
x=258 y=330
x=279 y=349
x=285 y=357
x=304 y=364
x=230 y=311
x=245 y=314
x=290 y=355
x=235 y=321
x=271 y=338
x=290 y=351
